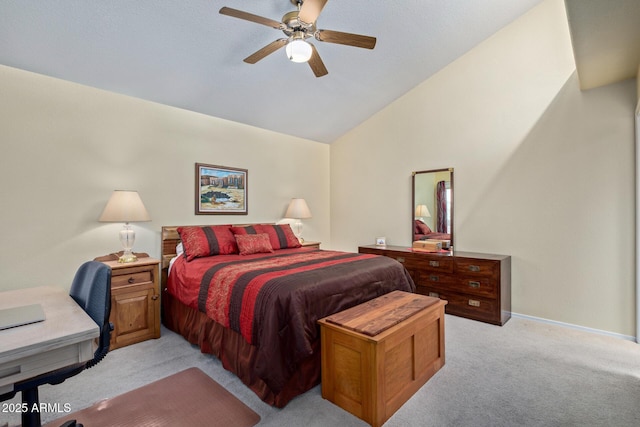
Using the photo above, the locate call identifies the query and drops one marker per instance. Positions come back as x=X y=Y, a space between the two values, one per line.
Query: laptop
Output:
x=18 y=316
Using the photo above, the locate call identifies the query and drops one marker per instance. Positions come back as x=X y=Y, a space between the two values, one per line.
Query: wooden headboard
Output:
x=170 y=239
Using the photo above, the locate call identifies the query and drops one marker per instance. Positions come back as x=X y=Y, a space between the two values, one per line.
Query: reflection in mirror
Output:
x=432 y=205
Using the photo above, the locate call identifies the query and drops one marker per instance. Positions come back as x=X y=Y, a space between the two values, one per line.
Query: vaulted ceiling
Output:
x=605 y=35
x=185 y=54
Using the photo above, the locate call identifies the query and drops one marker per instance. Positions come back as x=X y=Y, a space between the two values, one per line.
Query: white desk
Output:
x=65 y=337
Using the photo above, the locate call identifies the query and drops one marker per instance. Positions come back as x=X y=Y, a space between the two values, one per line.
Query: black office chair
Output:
x=91 y=289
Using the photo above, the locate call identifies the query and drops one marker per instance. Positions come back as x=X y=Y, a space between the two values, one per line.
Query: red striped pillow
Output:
x=280 y=235
x=207 y=241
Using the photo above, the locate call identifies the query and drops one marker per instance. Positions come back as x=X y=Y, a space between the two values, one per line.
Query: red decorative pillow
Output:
x=422 y=227
x=253 y=243
x=207 y=241
x=280 y=235
x=244 y=230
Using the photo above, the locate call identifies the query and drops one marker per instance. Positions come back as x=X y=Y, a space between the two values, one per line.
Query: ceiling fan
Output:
x=300 y=25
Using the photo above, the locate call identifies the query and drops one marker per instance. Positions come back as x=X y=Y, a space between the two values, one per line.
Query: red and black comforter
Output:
x=274 y=300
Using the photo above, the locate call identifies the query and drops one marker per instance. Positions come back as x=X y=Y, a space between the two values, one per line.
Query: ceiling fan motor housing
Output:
x=292 y=25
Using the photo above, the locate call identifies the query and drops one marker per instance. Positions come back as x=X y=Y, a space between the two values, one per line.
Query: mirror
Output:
x=432 y=205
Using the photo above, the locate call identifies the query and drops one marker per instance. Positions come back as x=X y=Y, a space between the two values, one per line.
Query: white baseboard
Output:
x=578 y=327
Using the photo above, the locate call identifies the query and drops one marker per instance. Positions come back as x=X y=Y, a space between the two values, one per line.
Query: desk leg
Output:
x=31 y=418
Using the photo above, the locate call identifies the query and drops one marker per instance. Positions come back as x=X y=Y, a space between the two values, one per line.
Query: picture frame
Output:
x=220 y=190
x=381 y=241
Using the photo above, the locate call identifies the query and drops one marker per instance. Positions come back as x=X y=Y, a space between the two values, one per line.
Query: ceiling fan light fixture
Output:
x=298 y=50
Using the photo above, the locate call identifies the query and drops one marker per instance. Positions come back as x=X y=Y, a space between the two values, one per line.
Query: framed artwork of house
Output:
x=220 y=190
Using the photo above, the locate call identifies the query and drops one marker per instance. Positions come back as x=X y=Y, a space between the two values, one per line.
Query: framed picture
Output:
x=220 y=190
x=381 y=241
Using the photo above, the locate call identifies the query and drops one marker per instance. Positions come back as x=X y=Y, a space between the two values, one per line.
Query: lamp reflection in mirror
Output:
x=298 y=210
x=125 y=206
x=422 y=212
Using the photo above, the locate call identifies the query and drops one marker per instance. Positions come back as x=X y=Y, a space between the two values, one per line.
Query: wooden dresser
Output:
x=135 y=301
x=476 y=286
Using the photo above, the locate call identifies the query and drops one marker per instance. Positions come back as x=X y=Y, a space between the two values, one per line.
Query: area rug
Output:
x=188 y=398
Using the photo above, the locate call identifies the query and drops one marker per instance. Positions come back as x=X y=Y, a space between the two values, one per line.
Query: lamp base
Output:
x=298 y=233
x=127 y=257
x=127 y=238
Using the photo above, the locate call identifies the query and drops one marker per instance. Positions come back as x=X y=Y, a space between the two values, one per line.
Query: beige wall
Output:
x=65 y=147
x=543 y=172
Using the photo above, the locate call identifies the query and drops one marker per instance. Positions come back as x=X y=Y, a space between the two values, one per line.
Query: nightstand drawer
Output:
x=131 y=279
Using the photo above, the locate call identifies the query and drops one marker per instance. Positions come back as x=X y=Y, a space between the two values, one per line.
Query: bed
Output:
x=257 y=310
x=421 y=231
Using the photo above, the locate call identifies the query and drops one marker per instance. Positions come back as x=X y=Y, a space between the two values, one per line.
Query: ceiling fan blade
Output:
x=267 y=50
x=250 y=17
x=349 y=39
x=310 y=10
x=316 y=64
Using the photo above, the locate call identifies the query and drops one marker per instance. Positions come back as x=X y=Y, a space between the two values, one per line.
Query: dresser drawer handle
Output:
x=434 y=263
x=434 y=294
x=434 y=278
x=131 y=280
x=475 y=285
x=474 y=303
x=474 y=268
x=400 y=259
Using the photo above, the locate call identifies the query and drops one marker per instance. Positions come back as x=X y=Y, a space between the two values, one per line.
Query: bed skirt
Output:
x=235 y=353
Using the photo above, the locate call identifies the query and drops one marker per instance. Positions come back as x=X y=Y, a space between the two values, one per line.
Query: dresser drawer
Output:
x=473 y=307
x=482 y=286
x=471 y=266
x=441 y=264
x=131 y=278
x=433 y=278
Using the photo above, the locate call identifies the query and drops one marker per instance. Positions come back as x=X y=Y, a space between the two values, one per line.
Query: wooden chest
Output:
x=475 y=285
x=376 y=355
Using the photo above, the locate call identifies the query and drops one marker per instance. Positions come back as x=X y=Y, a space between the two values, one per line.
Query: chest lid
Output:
x=379 y=314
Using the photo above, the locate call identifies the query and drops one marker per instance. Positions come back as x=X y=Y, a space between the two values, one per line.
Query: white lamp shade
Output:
x=298 y=50
x=124 y=206
x=298 y=209
x=423 y=211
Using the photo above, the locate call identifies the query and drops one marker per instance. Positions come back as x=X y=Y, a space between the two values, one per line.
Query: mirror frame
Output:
x=413 y=198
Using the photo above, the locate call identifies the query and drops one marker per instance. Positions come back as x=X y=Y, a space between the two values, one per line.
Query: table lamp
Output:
x=125 y=206
x=298 y=210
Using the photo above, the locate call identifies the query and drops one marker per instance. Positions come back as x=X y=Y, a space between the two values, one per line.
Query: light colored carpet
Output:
x=525 y=373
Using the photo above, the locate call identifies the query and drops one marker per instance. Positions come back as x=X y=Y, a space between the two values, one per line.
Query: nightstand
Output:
x=307 y=244
x=135 y=300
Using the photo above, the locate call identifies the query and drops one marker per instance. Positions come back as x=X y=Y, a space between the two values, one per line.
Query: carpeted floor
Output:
x=522 y=374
